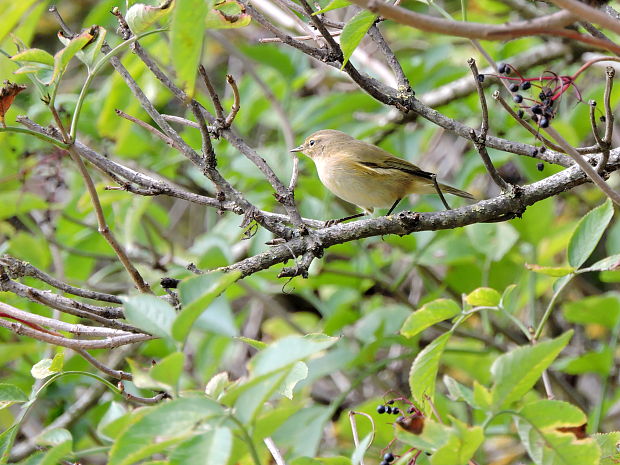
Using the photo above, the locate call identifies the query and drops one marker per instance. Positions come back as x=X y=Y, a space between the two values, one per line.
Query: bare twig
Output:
x=584 y=165
x=236 y=103
x=17 y=268
x=480 y=139
x=219 y=110
x=146 y=126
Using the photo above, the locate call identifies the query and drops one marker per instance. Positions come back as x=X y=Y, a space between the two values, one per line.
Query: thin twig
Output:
x=146 y=126
x=275 y=453
x=479 y=140
x=584 y=165
x=236 y=102
x=219 y=110
x=116 y=374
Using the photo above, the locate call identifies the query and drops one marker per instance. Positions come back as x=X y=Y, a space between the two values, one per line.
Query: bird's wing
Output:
x=376 y=158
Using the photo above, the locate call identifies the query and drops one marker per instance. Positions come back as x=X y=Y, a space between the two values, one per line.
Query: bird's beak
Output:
x=298 y=149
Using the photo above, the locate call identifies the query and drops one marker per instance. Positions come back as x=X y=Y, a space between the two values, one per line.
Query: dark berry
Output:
x=535 y=152
x=540 y=166
x=513 y=87
x=390 y=402
x=543 y=149
x=526 y=85
x=544 y=123
x=380 y=409
x=534 y=118
x=388 y=457
x=507 y=70
x=520 y=113
x=592 y=103
x=481 y=78
x=542 y=95
x=501 y=68
x=518 y=98
x=603 y=119
x=411 y=410
x=395 y=411
x=388 y=410
x=537 y=110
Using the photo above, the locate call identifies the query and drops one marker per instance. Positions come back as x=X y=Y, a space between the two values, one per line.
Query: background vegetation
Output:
x=494 y=325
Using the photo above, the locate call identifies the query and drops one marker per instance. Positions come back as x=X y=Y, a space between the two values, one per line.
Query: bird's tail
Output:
x=455 y=191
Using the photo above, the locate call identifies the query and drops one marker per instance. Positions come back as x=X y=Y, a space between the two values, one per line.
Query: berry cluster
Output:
x=387 y=408
x=387 y=459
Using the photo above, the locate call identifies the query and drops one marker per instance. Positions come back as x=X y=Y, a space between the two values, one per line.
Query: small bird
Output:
x=366 y=175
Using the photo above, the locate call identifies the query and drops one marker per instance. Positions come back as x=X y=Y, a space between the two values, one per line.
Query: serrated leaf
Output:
x=433 y=436
x=354 y=31
x=150 y=314
x=187 y=41
x=588 y=232
x=555 y=271
x=428 y=315
x=599 y=361
x=516 y=372
x=424 y=372
x=545 y=428
x=483 y=297
x=608 y=443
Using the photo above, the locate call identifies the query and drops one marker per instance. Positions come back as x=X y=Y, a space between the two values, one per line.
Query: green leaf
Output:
x=588 y=232
x=289 y=350
x=54 y=437
x=55 y=455
x=555 y=271
x=483 y=297
x=538 y=427
x=354 y=31
x=211 y=448
x=12 y=13
x=424 y=371
x=160 y=427
x=150 y=314
x=457 y=391
x=602 y=309
x=187 y=40
x=168 y=371
x=196 y=295
x=64 y=56
x=433 y=436
x=608 y=443
x=599 y=361
x=492 y=240
x=13 y=203
x=7 y=437
x=35 y=55
x=428 y=315
x=333 y=5
x=141 y=17
x=227 y=14
x=358 y=454
x=482 y=396
x=91 y=53
x=516 y=372
x=460 y=446
x=610 y=263
x=44 y=368
x=11 y=394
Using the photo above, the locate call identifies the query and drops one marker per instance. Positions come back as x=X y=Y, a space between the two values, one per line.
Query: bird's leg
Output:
x=329 y=223
x=393 y=207
x=443 y=199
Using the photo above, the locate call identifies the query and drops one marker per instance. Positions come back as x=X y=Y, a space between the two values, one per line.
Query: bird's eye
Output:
x=311 y=142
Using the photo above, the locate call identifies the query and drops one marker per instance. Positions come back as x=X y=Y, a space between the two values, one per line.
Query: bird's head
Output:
x=322 y=142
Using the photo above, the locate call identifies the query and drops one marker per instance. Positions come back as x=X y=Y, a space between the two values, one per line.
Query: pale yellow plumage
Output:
x=364 y=174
